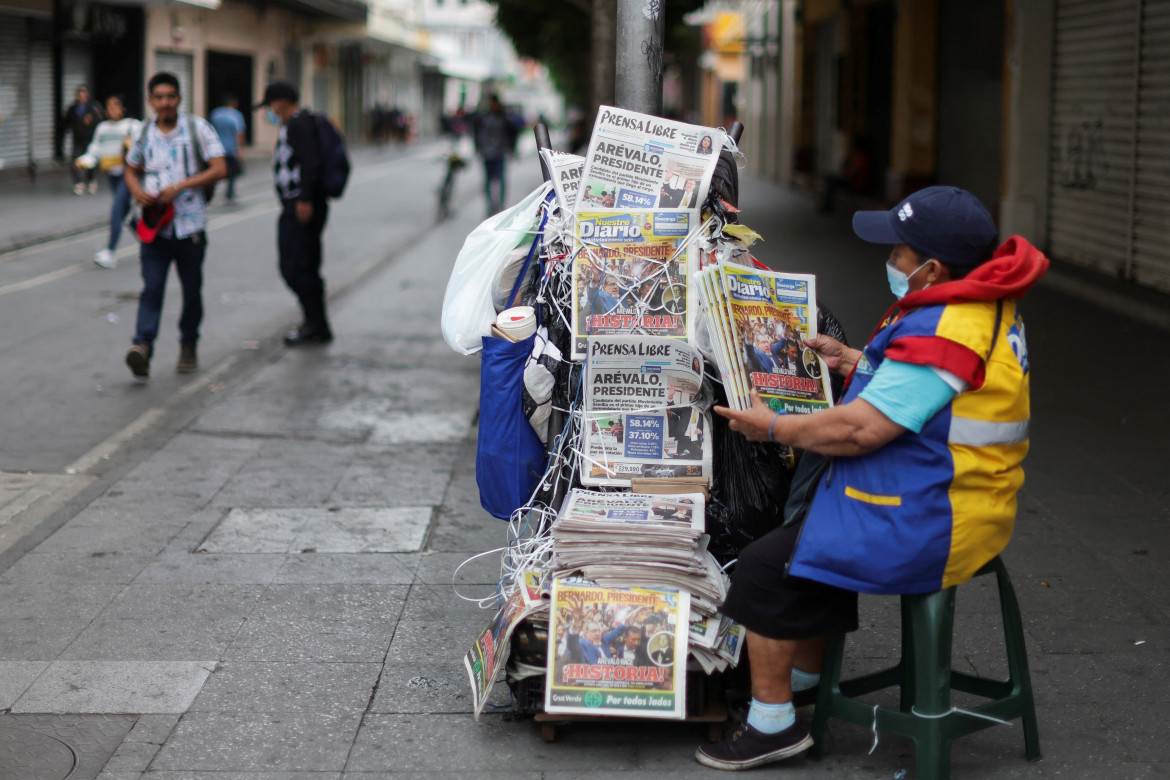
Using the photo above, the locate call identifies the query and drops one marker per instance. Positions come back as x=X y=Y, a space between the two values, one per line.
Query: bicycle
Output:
x=455 y=163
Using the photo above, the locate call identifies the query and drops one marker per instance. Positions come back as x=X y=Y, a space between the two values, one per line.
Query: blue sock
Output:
x=802 y=681
x=771 y=718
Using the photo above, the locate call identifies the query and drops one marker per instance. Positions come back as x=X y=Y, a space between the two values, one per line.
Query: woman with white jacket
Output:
x=107 y=150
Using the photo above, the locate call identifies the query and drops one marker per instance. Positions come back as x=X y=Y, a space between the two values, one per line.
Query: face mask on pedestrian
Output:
x=272 y=118
x=900 y=282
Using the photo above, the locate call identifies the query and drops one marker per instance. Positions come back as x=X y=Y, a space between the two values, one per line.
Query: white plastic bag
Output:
x=468 y=310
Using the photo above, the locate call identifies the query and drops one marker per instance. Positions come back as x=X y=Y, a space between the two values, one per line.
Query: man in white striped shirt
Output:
x=171 y=162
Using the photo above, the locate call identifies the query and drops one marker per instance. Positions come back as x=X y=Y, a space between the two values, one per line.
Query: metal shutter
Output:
x=14 y=130
x=182 y=66
x=1151 y=228
x=1093 y=121
x=1110 y=181
x=41 y=90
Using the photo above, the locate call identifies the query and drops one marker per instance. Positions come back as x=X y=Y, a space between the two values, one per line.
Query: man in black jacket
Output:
x=296 y=173
x=79 y=121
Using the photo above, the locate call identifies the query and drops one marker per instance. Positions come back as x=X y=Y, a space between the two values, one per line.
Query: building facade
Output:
x=1056 y=113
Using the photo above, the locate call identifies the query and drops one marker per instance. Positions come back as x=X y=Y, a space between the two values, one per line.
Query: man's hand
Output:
x=838 y=357
x=169 y=194
x=753 y=423
x=304 y=212
x=141 y=196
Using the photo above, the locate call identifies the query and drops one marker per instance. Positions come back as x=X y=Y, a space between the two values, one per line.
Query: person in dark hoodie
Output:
x=296 y=174
x=915 y=471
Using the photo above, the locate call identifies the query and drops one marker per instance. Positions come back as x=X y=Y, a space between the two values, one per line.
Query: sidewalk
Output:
x=35 y=211
x=269 y=594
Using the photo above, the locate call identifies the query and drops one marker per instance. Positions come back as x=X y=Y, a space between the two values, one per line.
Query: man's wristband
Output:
x=772 y=438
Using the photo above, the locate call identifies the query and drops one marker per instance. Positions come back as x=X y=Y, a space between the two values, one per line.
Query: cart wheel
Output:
x=548 y=732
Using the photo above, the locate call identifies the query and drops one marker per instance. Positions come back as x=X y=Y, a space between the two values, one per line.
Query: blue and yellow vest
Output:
x=927 y=510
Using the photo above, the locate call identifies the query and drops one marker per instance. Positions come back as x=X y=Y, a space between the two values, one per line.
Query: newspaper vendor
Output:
x=919 y=464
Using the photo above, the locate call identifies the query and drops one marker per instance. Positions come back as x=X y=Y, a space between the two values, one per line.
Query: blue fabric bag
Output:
x=509 y=459
x=509 y=456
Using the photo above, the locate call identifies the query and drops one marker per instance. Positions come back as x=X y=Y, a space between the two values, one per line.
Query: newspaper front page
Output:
x=630 y=275
x=771 y=315
x=639 y=418
x=487 y=657
x=616 y=651
x=639 y=161
x=566 y=170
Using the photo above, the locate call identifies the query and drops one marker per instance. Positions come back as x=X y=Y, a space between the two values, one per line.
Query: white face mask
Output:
x=272 y=117
x=900 y=282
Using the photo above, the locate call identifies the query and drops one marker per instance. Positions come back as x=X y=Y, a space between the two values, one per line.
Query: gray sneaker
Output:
x=746 y=748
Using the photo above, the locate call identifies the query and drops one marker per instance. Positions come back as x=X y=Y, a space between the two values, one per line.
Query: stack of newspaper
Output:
x=639 y=540
x=755 y=324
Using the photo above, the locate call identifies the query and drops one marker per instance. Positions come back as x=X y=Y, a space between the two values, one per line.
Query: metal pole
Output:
x=640 y=27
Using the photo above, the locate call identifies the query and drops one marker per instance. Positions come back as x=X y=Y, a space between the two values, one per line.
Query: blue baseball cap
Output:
x=946 y=223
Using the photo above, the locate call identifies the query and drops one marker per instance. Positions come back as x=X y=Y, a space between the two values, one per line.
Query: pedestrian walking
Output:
x=229 y=123
x=495 y=140
x=80 y=121
x=107 y=153
x=297 y=175
x=170 y=163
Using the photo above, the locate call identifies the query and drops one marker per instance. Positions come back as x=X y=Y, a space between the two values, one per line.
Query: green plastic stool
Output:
x=926 y=679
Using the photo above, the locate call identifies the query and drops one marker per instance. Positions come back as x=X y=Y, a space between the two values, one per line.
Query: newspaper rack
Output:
x=702 y=701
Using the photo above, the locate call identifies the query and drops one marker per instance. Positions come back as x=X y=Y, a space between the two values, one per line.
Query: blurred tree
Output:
x=558 y=34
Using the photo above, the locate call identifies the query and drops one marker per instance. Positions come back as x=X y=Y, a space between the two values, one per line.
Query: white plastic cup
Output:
x=519 y=322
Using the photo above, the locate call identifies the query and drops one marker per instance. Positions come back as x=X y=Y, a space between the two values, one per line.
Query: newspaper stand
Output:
x=704 y=700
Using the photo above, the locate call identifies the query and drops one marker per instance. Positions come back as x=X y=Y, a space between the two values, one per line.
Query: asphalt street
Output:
x=251 y=572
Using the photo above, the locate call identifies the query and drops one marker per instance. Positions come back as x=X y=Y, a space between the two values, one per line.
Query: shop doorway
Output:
x=231 y=74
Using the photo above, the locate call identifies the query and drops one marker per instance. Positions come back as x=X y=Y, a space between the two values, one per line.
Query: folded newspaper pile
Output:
x=756 y=322
x=639 y=540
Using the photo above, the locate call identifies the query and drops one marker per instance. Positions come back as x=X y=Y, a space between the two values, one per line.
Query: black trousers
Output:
x=299 y=245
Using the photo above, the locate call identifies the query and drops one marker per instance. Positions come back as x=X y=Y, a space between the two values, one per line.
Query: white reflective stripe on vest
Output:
x=981 y=433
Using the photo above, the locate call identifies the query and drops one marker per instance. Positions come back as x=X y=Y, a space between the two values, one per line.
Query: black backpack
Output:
x=334 y=158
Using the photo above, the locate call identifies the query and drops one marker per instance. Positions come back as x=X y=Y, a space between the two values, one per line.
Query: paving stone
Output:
x=442 y=603
x=189 y=568
x=59 y=568
x=250 y=775
x=287 y=473
x=440 y=569
x=413 y=480
x=334 y=688
x=152 y=729
x=372 y=569
x=456 y=743
x=336 y=530
x=15 y=677
x=345 y=624
x=132 y=757
x=1140 y=727
x=151 y=600
x=36 y=747
x=37 y=622
x=115 y=687
x=241 y=742
x=415 y=639
x=140 y=538
x=430 y=683
x=155 y=639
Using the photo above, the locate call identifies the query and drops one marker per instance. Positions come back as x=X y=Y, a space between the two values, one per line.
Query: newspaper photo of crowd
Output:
x=615 y=635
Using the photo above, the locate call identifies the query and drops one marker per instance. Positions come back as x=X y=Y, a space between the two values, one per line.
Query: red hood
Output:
x=1011 y=272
